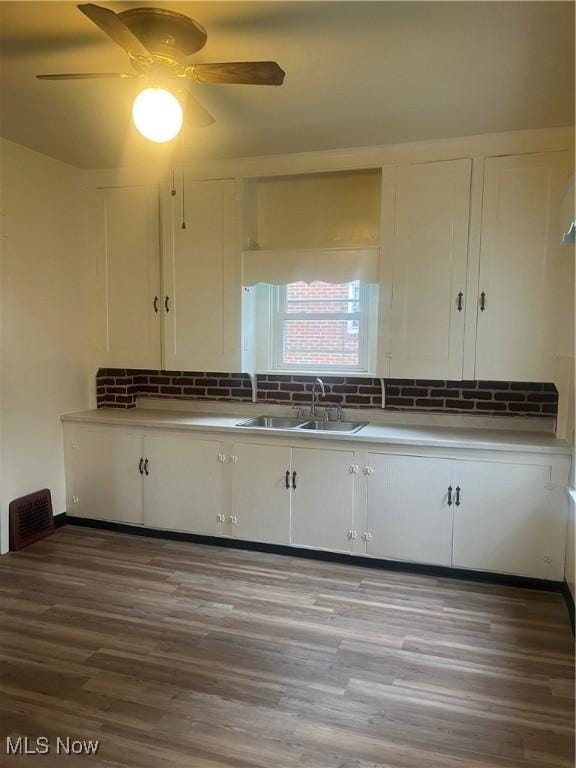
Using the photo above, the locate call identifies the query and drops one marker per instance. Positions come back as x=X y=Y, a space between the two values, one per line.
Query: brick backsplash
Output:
x=119 y=388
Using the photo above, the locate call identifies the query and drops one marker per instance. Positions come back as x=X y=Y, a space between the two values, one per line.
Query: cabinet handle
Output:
x=146 y=467
x=167 y=303
x=155 y=304
x=457 y=502
x=482 y=301
x=459 y=303
x=449 y=495
x=140 y=466
x=294 y=479
x=287 y=479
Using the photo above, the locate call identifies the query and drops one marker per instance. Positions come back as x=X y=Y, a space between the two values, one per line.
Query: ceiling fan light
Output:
x=157 y=114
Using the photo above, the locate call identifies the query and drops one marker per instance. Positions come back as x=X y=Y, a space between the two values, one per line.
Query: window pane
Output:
x=322 y=298
x=322 y=342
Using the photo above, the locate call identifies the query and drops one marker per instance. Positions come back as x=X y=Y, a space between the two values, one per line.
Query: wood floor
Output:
x=176 y=655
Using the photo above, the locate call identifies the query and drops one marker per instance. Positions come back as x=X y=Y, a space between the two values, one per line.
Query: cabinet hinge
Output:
x=233 y=519
x=547 y=559
x=74 y=445
x=368 y=470
x=221 y=458
x=353 y=469
x=549 y=486
x=367 y=536
x=234 y=459
x=220 y=518
x=75 y=500
x=353 y=535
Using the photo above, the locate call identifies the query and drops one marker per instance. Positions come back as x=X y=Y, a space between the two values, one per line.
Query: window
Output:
x=320 y=326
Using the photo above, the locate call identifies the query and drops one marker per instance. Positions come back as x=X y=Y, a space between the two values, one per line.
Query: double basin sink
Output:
x=279 y=422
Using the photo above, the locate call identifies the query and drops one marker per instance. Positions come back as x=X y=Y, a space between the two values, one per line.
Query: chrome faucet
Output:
x=320 y=383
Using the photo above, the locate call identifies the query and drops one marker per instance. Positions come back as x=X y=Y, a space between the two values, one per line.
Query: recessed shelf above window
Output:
x=313 y=211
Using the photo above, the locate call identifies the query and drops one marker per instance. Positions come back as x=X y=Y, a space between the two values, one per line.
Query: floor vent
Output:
x=30 y=519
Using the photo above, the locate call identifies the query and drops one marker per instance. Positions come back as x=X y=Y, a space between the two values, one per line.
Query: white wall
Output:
x=44 y=346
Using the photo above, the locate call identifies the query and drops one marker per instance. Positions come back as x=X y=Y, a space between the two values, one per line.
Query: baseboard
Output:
x=462 y=574
x=60 y=520
x=569 y=603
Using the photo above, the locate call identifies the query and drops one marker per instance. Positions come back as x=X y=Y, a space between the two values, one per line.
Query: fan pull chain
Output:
x=173 y=190
x=183 y=179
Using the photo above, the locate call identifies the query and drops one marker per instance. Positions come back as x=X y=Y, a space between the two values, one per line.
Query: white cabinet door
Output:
x=260 y=507
x=502 y=521
x=183 y=484
x=409 y=511
x=323 y=499
x=429 y=254
x=128 y=265
x=520 y=267
x=106 y=479
x=202 y=279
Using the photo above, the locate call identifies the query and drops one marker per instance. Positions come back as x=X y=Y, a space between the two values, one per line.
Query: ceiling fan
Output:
x=159 y=43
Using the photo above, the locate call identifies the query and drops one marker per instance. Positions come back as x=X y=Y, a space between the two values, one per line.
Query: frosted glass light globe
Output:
x=157 y=114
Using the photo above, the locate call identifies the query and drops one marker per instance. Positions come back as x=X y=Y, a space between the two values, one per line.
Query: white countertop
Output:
x=427 y=436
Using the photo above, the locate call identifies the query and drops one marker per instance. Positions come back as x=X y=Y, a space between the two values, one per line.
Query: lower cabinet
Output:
x=323 y=498
x=261 y=477
x=182 y=483
x=106 y=483
x=502 y=521
x=504 y=513
x=408 y=512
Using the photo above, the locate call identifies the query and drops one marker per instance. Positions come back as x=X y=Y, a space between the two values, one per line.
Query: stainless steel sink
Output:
x=272 y=422
x=334 y=426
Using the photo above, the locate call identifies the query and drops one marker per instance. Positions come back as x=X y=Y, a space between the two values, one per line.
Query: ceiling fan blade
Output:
x=110 y=23
x=239 y=73
x=87 y=76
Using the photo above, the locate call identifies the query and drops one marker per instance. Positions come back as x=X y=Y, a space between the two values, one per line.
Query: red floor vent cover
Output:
x=30 y=519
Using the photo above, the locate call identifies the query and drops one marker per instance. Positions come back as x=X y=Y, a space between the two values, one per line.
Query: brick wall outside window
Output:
x=119 y=388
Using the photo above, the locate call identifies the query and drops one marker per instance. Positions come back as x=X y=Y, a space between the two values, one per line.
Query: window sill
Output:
x=289 y=372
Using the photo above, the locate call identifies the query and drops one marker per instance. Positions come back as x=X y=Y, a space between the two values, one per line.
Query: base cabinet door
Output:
x=323 y=498
x=502 y=519
x=183 y=483
x=261 y=484
x=106 y=479
x=410 y=506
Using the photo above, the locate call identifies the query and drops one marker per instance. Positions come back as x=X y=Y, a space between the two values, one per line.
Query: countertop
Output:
x=426 y=436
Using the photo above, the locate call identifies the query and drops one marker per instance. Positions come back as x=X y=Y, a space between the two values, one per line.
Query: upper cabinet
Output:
x=128 y=277
x=427 y=253
x=201 y=272
x=520 y=290
x=460 y=264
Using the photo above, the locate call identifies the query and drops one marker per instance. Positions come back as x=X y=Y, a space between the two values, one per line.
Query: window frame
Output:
x=279 y=316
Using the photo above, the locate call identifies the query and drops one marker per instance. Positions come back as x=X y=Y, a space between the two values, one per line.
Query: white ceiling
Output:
x=357 y=73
